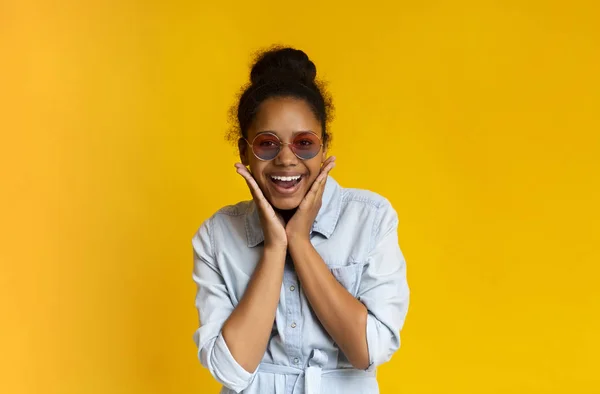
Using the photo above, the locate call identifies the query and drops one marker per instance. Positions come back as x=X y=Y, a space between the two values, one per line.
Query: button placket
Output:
x=293 y=333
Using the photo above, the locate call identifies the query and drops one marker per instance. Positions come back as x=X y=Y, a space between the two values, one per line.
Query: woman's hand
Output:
x=299 y=226
x=271 y=222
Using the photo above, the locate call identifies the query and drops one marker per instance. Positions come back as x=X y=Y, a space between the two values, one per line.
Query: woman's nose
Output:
x=286 y=156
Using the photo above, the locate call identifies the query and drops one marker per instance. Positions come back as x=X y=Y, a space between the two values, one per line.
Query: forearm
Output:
x=342 y=315
x=248 y=328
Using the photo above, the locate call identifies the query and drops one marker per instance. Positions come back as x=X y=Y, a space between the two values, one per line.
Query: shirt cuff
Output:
x=226 y=369
x=372 y=341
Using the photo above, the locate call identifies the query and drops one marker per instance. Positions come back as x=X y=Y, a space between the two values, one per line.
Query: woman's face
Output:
x=284 y=117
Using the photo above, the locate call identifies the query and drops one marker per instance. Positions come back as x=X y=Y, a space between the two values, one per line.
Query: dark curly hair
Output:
x=281 y=72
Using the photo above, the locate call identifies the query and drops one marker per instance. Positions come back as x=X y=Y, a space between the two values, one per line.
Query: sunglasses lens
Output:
x=266 y=146
x=306 y=145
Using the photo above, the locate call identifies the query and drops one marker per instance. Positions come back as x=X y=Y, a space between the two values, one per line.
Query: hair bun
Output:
x=283 y=63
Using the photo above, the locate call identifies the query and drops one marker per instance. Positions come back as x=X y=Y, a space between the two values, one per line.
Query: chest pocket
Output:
x=349 y=276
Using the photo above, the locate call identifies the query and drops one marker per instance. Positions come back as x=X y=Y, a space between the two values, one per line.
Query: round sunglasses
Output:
x=266 y=146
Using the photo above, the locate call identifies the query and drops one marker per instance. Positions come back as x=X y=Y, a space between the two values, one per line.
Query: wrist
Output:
x=293 y=235
x=275 y=250
x=299 y=242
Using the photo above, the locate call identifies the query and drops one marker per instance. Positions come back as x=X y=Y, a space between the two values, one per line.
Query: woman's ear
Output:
x=243 y=149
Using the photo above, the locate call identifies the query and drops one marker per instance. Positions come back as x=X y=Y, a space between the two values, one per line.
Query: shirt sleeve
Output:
x=384 y=289
x=214 y=307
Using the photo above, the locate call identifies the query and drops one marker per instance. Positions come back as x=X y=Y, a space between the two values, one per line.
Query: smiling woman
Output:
x=284 y=105
x=305 y=285
x=284 y=175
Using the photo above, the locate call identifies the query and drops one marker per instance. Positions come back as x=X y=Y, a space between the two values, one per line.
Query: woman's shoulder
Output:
x=238 y=209
x=365 y=196
x=370 y=206
x=228 y=215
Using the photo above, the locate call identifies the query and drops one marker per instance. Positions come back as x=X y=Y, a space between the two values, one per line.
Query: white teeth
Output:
x=286 y=178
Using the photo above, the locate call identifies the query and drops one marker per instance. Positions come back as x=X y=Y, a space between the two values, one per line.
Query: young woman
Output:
x=302 y=289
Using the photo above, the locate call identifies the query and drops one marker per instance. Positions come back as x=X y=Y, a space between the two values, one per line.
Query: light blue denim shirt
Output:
x=355 y=232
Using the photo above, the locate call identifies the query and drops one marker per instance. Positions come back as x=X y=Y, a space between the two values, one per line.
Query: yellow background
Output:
x=478 y=120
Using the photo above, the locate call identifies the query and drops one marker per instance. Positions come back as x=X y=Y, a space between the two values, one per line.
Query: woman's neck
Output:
x=286 y=214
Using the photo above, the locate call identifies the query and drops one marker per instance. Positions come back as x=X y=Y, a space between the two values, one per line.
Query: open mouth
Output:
x=286 y=184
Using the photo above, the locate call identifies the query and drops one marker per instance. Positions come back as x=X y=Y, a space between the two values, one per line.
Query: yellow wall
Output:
x=478 y=120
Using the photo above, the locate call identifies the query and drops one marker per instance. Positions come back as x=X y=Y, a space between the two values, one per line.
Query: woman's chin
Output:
x=286 y=204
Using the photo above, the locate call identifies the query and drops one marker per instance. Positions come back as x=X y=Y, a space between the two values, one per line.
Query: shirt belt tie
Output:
x=312 y=374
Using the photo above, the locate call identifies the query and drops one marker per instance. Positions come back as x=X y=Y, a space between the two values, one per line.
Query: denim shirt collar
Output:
x=324 y=222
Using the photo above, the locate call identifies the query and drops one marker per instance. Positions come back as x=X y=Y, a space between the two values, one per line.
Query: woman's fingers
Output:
x=329 y=160
x=263 y=205
x=324 y=173
x=318 y=186
x=322 y=178
x=327 y=166
x=243 y=171
x=257 y=194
